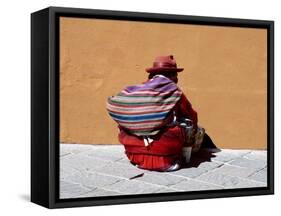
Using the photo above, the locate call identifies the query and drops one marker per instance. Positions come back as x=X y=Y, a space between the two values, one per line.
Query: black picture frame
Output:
x=45 y=106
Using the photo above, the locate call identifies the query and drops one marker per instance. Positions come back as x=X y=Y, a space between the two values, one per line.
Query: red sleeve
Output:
x=184 y=110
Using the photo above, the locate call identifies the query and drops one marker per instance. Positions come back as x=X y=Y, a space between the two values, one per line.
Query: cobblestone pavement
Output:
x=104 y=170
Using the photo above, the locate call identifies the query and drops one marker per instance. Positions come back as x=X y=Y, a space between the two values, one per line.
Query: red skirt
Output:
x=164 y=151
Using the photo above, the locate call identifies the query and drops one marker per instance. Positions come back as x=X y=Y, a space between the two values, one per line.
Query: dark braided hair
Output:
x=168 y=74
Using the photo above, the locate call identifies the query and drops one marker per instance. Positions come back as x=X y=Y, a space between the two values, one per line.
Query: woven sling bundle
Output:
x=144 y=109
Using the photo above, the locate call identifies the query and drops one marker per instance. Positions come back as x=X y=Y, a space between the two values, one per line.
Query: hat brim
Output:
x=163 y=69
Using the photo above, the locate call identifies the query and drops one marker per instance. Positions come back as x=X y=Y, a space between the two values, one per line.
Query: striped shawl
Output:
x=143 y=109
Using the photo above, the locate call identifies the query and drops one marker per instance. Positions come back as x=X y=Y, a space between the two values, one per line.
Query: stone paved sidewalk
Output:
x=104 y=170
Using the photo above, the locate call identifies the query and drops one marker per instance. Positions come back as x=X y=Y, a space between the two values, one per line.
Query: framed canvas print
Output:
x=132 y=107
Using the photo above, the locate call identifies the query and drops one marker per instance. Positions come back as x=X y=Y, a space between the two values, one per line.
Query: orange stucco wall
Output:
x=224 y=76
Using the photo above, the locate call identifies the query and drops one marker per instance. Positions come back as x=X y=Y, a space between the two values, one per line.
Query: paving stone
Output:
x=98 y=192
x=228 y=181
x=70 y=190
x=66 y=170
x=207 y=166
x=105 y=154
x=219 y=179
x=257 y=155
x=160 y=178
x=83 y=162
x=193 y=172
x=104 y=170
x=189 y=172
x=74 y=148
x=244 y=162
x=194 y=185
x=227 y=155
x=64 y=153
x=93 y=180
x=124 y=161
x=133 y=187
x=120 y=170
x=260 y=176
x=235 y=171
x=113 y=148
x=246 y=183
x=65 y=150
x=167 y=190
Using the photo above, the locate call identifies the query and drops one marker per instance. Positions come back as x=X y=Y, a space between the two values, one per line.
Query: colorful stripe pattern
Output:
x=144 y=109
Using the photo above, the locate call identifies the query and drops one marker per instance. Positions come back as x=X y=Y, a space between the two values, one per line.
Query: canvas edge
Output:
x=51 y=199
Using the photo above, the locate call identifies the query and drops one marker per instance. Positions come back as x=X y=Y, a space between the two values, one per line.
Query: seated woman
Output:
x=161 y=150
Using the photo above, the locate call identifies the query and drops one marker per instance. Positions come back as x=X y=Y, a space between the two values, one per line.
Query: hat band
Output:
x=164 y=64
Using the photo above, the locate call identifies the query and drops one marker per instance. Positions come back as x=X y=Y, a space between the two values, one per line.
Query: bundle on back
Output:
x=144 y=109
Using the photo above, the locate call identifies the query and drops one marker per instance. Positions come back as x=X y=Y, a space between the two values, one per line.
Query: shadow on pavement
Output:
x=208 y=148
x=208 y=143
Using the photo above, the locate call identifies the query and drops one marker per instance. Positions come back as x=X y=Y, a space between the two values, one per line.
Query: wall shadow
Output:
x=25 y=197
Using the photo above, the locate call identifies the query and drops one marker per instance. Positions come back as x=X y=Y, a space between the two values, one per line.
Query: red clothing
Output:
x=166 y=148
x=163 y=151
x=184 y=110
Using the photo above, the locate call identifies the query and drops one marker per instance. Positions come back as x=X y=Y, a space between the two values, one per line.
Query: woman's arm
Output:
x=184 y=110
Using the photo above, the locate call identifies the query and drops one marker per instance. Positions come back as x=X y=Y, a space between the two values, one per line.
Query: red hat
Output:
x=164 y=64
